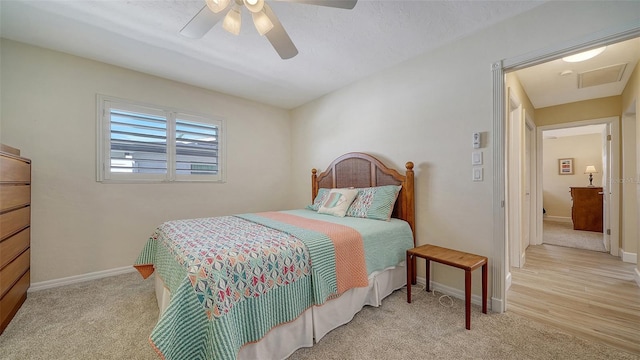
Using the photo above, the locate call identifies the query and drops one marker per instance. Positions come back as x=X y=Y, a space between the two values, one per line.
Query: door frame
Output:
x=499 y=255
x=613 y=207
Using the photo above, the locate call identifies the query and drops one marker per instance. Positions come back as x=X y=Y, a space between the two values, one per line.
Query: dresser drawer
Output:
x=11 y=301
x=14 y=271
x=11 y=247
x=14 y=170
x=12 y=196
x=14 y=221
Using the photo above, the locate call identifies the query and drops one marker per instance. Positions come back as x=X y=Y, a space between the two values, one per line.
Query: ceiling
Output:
x=574 y=131
x=557 y=82
x=336 y=46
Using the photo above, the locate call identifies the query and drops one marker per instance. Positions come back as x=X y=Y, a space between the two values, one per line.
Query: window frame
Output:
x=103 y=153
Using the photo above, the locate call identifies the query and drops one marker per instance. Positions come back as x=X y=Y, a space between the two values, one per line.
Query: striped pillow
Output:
x=320 y=198
x=374 y=202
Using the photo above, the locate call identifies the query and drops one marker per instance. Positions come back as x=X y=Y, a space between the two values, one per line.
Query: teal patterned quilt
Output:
x=233 y=278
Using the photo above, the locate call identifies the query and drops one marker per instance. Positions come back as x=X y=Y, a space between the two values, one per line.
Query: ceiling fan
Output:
x=265 y=21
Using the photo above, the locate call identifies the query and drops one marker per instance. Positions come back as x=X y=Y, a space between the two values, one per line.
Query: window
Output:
x=148 y=143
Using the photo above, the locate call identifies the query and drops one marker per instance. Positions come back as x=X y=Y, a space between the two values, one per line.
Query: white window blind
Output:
x=147 y=143
x=197 y=148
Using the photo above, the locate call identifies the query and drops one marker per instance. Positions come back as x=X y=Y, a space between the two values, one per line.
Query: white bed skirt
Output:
x=317 y=321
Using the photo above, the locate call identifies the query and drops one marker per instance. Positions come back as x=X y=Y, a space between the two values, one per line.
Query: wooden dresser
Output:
x=586 y=211
x=15 y=236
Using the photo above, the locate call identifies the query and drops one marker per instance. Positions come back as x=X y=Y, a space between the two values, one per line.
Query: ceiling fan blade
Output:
x=200 y=24
x=342 y=4
x=278 y=37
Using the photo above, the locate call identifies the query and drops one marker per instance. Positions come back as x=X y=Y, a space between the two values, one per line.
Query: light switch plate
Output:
x=476 y=158
x=477 y=174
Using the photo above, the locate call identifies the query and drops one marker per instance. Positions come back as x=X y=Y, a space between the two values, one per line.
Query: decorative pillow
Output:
x=320 y=198
x=338 y=201
x=374 y=202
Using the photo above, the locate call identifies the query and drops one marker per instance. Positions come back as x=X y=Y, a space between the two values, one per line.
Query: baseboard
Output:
x=557 y=218
x=636 y=276
x=629 y=257
x=456 y=293
x=497 y=305
x=507 y=281
x=43 y=285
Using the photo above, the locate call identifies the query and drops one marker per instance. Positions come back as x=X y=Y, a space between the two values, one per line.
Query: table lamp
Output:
x=590 y=170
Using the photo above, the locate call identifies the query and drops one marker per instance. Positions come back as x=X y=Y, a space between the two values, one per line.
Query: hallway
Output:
x=589 y=294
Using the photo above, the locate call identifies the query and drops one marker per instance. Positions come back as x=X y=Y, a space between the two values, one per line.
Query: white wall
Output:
x=425 y=110
x=81 y=226
x=585 y=150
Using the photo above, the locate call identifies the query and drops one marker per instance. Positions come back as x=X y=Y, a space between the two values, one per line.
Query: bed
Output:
x=260 y=286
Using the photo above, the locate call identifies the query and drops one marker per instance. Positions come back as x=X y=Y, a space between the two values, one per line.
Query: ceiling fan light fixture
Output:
x=255 y=6
x=262 y=22
x=232 y=21
x=586 y=55
x=217 y=5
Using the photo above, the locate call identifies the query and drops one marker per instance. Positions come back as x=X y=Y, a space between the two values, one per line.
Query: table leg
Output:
x=467 y=298
x=428 y=275
x=409 y=263
x=414 y=276
x=484 y=288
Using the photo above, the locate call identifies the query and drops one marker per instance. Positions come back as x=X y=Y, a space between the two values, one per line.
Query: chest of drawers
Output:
x=586 y=211
x=15 y=235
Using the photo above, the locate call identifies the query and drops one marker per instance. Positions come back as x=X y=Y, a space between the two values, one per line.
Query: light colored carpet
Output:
x=112 y=318
x=562 y=234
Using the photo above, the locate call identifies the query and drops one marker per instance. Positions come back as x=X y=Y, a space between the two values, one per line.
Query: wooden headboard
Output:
x=362 y=170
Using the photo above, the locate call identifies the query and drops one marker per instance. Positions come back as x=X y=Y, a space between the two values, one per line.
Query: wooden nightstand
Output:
x=467 y=262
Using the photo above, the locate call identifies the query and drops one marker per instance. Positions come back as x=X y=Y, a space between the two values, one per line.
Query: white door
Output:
x=606 y=192
x=526 y=199
x=611 y=188
x=515 y=144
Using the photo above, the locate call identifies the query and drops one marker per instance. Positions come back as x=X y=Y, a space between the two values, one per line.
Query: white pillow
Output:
x=338 y=202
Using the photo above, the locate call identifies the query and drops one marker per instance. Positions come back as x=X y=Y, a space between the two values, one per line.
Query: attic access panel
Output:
x=605 y=75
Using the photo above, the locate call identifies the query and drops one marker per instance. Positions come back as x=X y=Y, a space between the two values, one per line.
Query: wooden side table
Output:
x=467 y=262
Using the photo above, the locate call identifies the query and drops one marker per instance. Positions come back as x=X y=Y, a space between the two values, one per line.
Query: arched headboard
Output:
x=363 y=170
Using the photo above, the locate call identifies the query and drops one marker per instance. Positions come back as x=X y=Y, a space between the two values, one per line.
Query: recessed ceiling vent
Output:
x=601 y=76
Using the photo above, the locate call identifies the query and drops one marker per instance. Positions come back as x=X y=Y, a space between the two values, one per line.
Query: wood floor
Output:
x=589 y=294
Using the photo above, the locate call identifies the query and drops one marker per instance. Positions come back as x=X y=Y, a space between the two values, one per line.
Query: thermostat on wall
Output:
x=476 y=140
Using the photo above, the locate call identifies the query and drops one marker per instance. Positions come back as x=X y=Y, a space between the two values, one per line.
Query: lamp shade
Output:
x=590 y=170
x=232 y=21
x=217 y=5
x=262 y=22
x=254 y=5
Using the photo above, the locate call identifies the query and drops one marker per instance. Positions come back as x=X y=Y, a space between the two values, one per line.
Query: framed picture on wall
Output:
x=565 y=166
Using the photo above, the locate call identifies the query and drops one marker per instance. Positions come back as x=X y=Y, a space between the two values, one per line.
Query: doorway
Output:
x=501 y=252
x=591 y=145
